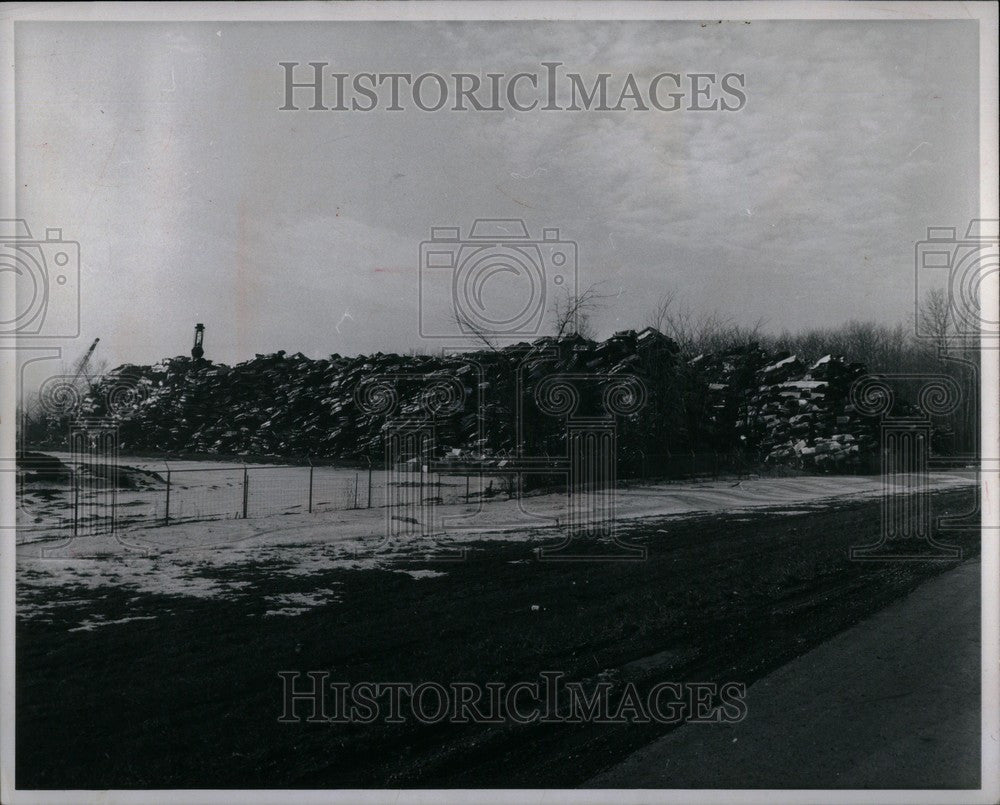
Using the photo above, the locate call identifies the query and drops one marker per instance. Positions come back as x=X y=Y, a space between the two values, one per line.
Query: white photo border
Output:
x=986 y=15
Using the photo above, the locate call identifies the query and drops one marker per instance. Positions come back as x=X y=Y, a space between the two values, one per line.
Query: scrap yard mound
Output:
x=769 y=407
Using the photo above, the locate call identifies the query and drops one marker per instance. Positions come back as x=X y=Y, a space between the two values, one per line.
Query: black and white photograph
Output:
x=482 y=402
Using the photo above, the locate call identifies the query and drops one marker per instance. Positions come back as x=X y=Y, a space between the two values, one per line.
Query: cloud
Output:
x=162 y=150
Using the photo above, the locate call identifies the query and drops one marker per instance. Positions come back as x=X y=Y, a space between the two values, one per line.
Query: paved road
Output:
x=893 y=702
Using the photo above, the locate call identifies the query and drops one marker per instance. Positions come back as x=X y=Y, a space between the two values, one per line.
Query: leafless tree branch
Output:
x=481 y=334
x=571 y=311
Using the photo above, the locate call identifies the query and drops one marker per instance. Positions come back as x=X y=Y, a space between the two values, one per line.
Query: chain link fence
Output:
x=86 y=498
x=83 y=499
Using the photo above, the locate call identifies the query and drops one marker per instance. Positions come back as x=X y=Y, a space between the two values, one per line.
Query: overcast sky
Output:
x=160 y=148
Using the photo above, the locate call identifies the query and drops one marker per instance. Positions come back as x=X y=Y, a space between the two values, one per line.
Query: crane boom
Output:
x=84 y=362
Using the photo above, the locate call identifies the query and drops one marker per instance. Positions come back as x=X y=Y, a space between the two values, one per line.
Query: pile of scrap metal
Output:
x=491 y=404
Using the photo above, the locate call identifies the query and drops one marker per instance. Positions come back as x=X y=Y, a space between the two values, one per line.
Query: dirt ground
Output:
x=129 y=678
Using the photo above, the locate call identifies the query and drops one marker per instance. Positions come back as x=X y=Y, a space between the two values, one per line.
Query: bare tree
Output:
x=675 y=319
x=934 y=318
x=734 y=336
x=571 y=312
x=481 y=334
x=697 y=332
x=660 y=316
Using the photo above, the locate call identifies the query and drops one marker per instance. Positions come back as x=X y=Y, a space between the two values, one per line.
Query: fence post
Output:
x=76 y=503
x=246 y=484
x=355 y=490
x=166 y=508
x=311 y=468
x=369 y=483
x=466 y=487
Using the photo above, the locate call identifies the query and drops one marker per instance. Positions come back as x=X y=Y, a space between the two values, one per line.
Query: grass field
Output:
x=123 y=682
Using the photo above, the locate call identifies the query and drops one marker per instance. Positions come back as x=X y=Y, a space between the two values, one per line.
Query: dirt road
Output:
x=893 y=702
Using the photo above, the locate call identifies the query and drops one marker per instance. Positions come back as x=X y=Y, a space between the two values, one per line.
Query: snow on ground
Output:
x=186 y=559
x=203 y=490
x=297 y=603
